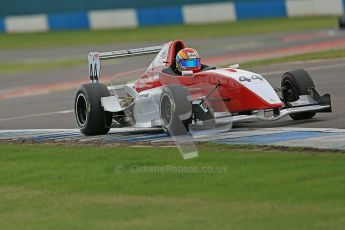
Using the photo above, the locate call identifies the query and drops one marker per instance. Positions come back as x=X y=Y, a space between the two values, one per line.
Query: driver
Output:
x=188 y=59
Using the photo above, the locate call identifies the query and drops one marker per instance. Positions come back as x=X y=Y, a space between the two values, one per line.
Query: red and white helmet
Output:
x=188 y=59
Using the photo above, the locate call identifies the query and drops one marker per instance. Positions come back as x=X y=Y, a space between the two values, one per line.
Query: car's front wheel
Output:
x=296 y=83
x=175 y=110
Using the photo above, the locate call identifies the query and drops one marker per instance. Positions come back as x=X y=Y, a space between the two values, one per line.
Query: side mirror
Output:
x=187 y=73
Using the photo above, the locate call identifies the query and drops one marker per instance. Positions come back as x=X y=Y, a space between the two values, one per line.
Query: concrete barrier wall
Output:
x=314 y=7
x=209 y=13
x=260 y=9
x=26 y=7
x=31 y=23
x=222 y=11
x=106 y=19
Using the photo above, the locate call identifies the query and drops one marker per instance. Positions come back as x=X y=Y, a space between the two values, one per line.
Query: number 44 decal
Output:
x=252 y=78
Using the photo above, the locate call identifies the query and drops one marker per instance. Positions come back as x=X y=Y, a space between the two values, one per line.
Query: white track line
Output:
x=36 y=115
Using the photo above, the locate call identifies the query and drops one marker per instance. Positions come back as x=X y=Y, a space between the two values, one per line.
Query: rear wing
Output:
x=95 y=58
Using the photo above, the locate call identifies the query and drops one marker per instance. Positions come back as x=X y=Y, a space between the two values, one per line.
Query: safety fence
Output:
x=84 y=15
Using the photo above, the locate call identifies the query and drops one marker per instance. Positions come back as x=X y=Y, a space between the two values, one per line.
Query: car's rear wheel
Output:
x=175 y=110
x=296 y=83
x=89 y=113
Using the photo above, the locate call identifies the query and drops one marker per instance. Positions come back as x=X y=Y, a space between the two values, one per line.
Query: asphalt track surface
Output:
x=45 y=99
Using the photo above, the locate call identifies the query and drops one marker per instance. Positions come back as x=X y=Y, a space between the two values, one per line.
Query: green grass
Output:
x=62 y=187
x=39 y=65
x=301 y=57
x=162 y=33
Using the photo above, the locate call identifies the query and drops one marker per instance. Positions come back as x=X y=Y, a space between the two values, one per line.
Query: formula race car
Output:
x=185 y=101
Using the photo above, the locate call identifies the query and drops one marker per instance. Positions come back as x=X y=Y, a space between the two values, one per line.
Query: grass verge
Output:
x=301 y=57
x=162 y=33
x=8 y=68
x=61 y=187
x=40 y=65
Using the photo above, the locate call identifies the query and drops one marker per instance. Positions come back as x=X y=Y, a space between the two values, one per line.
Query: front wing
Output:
x=306 y=103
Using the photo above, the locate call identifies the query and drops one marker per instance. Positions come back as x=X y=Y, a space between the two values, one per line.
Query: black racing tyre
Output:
x=175 y=110
x=341 y=22
x=296 y=83
x=89 y=113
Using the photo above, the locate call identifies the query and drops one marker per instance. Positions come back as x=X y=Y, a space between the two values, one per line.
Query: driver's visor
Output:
x=191 y=63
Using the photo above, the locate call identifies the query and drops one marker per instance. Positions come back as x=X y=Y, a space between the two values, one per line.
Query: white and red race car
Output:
x=181 y=102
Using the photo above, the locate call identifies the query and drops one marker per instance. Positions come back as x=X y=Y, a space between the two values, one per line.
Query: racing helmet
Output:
x=188 y=59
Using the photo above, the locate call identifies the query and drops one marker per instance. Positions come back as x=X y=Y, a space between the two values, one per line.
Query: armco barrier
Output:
x=159 y=16
x=2 y=25
x=64 y=21
x=222 y=11
x=260 y=9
